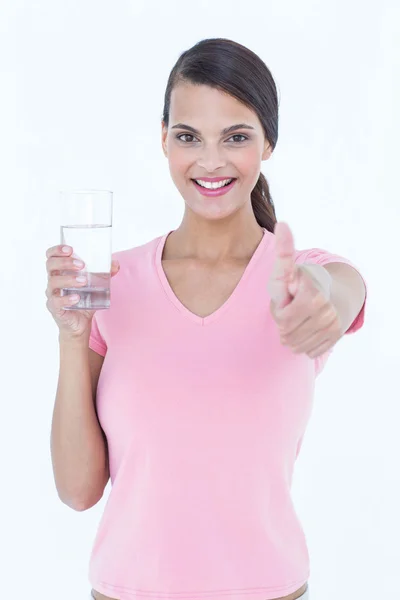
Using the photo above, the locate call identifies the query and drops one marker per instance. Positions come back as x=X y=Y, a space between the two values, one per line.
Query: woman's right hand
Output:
x=71 y=323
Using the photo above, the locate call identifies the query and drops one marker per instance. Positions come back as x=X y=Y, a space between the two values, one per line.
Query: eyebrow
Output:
x=223 y=132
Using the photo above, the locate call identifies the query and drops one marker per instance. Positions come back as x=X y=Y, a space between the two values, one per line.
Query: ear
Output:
x=164 y=132
x=267 y=151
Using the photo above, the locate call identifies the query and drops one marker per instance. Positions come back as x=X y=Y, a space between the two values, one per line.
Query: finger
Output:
x=307 y=313
x=55 y=265
x=57 y=282
x=309 y=335
x=56 y=304
x=284 y=267
x=295 y=313
x=58 y=251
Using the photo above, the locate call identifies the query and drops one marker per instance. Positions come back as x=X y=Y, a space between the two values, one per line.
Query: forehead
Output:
x=201 y=104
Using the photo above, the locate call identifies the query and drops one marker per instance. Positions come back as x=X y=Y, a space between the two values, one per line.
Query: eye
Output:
x=178 y=137
x=240 y=135
x=245 y=138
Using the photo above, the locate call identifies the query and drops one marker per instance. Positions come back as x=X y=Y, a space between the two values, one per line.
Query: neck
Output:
x=213 y=241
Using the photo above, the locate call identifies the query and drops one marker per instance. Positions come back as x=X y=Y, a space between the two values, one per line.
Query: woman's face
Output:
x=210 y=152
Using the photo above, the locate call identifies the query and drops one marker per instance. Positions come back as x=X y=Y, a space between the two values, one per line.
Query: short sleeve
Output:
x=322 y=257
x=96 y=341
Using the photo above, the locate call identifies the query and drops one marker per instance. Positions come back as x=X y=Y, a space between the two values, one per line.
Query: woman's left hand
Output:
x=300 y=300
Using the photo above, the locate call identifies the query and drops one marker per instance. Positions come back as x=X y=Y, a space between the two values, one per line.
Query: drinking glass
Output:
x=86 y=226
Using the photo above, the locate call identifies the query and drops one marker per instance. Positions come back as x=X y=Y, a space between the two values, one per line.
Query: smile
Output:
x=214 y=189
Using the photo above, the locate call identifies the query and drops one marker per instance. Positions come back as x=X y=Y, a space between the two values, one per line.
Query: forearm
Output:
x=77 y=443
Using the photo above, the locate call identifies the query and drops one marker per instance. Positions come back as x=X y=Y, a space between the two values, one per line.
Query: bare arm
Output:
x=78 y=445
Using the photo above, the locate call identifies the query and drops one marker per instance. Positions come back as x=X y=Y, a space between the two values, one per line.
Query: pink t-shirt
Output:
x=204 y=419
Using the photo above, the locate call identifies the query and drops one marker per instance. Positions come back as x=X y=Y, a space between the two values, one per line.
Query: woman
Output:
x=188 y=398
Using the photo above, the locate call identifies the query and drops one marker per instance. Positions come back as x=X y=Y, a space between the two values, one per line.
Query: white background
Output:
x=81 y=97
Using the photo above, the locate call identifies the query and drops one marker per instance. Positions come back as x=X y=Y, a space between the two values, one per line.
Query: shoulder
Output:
x=311 y=255
x=137 y=254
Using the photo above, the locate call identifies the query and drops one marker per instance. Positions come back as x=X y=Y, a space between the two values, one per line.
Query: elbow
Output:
x=75 y=505
x=81 y=499
x=79 y=505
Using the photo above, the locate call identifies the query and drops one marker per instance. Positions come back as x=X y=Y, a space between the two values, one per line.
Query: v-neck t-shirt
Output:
x=204 y=419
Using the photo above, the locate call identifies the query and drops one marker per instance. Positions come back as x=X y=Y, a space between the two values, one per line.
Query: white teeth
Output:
x=213 y=186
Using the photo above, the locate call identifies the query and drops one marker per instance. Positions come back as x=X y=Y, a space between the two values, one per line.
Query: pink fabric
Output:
x=204 y=419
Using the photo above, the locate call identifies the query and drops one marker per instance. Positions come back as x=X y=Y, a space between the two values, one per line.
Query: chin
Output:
x=213 y=211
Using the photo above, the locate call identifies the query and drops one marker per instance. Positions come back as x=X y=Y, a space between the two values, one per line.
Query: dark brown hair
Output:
x=232 y=68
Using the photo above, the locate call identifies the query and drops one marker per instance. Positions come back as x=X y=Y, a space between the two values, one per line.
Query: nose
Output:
x=210 y=159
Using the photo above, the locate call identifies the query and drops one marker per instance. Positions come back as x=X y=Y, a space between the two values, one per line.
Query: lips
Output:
x=216 y=192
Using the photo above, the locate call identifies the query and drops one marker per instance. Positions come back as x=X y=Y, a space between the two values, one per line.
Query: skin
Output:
x=213 y=229
x=206 y=255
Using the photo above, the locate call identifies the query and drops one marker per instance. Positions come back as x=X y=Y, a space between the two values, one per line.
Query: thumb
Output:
x=282 y=284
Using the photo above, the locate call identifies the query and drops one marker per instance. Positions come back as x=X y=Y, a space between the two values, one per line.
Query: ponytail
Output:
x=263 y=206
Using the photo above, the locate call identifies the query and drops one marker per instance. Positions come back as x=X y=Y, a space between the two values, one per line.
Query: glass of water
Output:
x=86 y=226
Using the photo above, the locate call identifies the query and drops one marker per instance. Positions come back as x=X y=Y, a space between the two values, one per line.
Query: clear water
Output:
x=92 y=244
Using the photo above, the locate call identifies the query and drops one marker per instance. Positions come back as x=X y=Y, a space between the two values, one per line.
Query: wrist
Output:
x=71 y=339
x=321 y=276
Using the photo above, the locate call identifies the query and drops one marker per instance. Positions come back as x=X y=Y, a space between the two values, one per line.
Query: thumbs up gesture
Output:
x=300 y=300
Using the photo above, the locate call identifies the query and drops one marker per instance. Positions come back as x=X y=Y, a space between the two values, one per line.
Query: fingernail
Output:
x=66 y=249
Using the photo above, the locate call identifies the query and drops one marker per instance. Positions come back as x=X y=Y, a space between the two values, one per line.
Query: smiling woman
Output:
x=197 y=533
x=203 y=409
x=199 y=90
x=208 y=153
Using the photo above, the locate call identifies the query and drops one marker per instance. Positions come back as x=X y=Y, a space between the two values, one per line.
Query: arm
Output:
x=78 y=447
x=348 y=291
